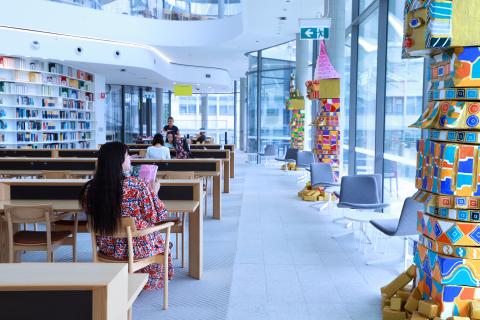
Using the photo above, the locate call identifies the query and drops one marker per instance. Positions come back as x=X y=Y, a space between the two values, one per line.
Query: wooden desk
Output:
x=223 y=155
x=87 y=291
x=86 y=166
x=63 y=196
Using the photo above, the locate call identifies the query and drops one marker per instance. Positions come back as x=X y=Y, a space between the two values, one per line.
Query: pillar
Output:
x=204 y=110
x=160 y=118
x=301 y=65
x=221 y=9
x=243 y=114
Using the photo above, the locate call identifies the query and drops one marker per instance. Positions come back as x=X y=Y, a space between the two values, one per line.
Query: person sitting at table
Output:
x=113 y=194
x=182 y=149
x=157 y=150
x=171 y=127
x=170 y=140
x=201 y=137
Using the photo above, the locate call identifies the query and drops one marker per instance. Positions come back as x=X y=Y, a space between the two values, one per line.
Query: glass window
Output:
x=366 y=94
x=132 y=113
x=404 y=91
x=113 y=114
x=252 y=112
x=364 y=4
x=212 y=109
x=345 y=106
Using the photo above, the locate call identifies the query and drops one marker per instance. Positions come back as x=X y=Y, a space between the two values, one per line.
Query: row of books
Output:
x=54 y=137
x=35 y=65
x=47 y=79
x=29 y=125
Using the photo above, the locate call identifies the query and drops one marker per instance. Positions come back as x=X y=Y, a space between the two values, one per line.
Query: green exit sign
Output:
x=314 y=33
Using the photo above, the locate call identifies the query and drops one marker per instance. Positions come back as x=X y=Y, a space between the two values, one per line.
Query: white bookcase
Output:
x=45 y=105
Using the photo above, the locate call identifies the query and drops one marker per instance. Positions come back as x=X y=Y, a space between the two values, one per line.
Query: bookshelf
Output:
x=45 y=104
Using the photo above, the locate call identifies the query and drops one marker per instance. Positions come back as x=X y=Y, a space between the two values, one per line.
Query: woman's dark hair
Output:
x=158 y=139
x=101 y=197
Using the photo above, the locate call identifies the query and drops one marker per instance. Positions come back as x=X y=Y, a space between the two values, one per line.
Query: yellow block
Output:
x=182 y=90
x=465 y=23
x=329 y=88
x=296 y=104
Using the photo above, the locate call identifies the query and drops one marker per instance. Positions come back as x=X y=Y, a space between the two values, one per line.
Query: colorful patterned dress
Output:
x=181 y=149
x=141 y=203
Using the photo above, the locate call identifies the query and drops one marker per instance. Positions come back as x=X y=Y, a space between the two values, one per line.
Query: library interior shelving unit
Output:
x=45 y=105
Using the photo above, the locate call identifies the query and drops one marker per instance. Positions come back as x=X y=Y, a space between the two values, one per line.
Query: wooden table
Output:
x=90 y=291
x=12 y=189
x=86 y=166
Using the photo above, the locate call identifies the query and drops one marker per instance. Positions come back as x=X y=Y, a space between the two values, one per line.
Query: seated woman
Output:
x=113 y=194
x=157 y=150
x=170 y=140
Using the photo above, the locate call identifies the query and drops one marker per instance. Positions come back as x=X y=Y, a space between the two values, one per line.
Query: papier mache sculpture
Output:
x=447 y=255
x=296 y=103
x=326 y=89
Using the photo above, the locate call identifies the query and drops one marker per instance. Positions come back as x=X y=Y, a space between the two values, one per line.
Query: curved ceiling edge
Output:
x=143 y=64
x=86 y=22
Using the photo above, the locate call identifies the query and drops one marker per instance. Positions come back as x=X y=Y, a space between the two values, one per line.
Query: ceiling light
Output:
x=123 y=70
x=282 y=18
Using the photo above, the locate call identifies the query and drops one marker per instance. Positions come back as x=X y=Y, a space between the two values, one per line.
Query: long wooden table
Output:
x=86 y=166
x=178 y=196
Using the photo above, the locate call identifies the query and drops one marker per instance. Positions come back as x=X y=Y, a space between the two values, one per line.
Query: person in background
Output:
x=201 y=137
x=171 y=127
x=112 y=194
x=170 y=140
x=157 y=150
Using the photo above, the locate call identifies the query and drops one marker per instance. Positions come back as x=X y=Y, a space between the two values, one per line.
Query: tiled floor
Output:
x=270 y=257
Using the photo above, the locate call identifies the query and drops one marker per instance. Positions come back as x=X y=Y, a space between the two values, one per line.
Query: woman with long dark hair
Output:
x=113 y=194
x=157 y=150
x=170 y=143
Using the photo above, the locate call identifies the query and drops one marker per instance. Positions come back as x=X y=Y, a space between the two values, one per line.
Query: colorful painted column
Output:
x=296 y=103
x=447 y=254
x=326 y=89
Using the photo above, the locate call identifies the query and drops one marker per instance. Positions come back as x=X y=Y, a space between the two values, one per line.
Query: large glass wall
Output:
x=403 y=105
x=131 y=112
x=276 y=67
x=383 y=110
x=187 y=112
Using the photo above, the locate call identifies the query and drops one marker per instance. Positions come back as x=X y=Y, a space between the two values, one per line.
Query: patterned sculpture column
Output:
x=326 y=88
x=296 y=103
x=447 y=255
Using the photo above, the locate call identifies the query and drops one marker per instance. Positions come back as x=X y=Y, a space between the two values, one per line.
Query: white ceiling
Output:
x=262 y=29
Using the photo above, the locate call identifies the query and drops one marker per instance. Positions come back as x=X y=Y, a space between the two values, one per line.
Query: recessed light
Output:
x=282 y=18
x=123 y=70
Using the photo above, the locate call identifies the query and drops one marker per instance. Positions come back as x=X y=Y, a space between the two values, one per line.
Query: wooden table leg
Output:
x=226 y=176
x=3 y=241
x=232 y=164
x=195 y=244
x=217 y=198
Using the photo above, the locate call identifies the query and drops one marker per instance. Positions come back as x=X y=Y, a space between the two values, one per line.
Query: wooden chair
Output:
x=67 y=225
x=34 y=240
x=179 y=228
x=56 y=174
x=128 y=230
